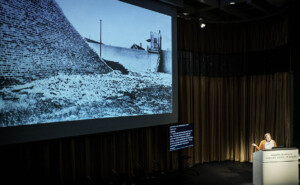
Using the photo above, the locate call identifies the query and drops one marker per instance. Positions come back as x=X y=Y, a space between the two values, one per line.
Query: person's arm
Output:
x=261 y=146
x=275 y=145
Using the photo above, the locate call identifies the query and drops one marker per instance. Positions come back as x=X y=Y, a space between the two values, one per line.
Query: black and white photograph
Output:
x=67 y=60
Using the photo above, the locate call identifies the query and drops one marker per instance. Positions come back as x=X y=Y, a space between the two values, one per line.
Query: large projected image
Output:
x=66 y=60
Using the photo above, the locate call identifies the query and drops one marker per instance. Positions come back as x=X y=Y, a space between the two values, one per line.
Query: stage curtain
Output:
x=234 y=86
x=229 y=114
x=222 y=37
x=72 y=160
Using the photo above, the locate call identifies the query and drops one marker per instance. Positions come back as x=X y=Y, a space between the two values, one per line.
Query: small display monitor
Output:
x=181 y=136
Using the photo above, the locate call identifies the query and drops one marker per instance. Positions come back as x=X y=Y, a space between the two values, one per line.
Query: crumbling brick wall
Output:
x=38 y=41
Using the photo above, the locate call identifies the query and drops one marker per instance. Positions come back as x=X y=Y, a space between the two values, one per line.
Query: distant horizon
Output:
x=130 y=25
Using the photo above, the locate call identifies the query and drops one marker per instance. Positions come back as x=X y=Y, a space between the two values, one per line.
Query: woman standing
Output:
x=268 y=143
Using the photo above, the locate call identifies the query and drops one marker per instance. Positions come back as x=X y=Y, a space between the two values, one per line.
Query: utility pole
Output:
x=100 y=36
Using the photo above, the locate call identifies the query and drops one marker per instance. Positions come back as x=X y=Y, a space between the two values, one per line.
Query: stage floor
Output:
x=214 y=173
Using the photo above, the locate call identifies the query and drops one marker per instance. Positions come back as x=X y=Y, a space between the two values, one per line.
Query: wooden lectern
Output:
x=276 y=167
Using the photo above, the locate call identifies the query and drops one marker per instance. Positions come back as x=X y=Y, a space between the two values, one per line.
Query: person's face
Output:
x=268 y=138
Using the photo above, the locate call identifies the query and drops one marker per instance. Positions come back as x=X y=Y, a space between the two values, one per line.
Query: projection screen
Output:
x=73 y=67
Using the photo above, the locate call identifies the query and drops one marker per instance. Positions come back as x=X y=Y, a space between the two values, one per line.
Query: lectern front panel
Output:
x=277 y=173
x=276 y=167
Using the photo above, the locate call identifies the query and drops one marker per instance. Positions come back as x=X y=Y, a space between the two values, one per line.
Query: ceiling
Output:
x=228 y=10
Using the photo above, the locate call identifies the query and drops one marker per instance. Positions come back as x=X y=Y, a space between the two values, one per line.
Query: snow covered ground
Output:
x=76 y=97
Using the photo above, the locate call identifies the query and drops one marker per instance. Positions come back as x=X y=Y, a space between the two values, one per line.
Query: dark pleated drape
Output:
x=229 y=114
x=234 y=85
x=233 y=38
x=72 y=160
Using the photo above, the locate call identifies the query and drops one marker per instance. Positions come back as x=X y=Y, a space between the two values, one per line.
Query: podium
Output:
x=276 y=167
